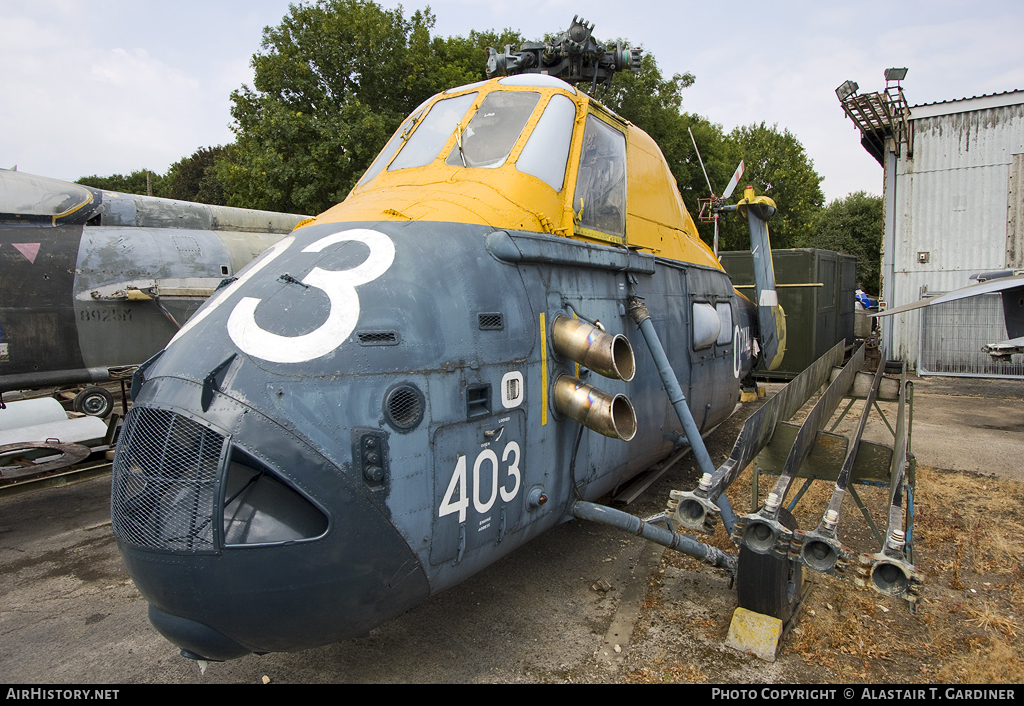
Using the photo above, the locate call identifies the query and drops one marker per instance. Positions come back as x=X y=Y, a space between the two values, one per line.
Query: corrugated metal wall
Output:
x=951 y=203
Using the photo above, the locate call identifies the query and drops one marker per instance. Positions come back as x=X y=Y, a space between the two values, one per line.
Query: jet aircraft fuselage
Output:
x=94 y=280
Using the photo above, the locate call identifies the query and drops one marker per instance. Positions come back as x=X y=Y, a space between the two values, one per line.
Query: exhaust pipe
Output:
x=605 y=354
x=607 y=414
x=820 y=555
x=891 y=578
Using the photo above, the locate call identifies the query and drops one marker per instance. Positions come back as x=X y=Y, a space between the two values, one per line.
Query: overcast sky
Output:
x=113 y=86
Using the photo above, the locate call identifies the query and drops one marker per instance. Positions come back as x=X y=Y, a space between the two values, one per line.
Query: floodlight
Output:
x=846 y=90
x=895 y=74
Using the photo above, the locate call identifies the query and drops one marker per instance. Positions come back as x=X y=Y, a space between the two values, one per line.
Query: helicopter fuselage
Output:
x=376 y=408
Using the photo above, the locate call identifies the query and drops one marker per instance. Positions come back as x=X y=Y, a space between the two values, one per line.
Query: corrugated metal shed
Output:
x=950 y=202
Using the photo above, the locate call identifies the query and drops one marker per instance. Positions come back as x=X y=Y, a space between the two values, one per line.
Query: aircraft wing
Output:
x=993 y=285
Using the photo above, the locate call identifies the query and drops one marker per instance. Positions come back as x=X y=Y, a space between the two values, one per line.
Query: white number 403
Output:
x=458 y=484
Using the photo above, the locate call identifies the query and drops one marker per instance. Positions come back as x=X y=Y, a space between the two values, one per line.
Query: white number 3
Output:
x=340 y=287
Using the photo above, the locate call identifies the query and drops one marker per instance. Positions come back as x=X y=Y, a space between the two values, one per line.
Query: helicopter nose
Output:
x=248 y=540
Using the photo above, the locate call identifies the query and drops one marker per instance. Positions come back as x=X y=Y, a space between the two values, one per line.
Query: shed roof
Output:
x=965 y=105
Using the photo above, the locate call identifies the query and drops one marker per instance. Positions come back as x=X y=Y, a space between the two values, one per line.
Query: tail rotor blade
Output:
x=733 y=182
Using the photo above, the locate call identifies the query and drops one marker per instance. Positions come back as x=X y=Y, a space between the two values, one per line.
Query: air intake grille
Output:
x=377 y=338
x=404 y=406
x=164 y=482
x=491 y=321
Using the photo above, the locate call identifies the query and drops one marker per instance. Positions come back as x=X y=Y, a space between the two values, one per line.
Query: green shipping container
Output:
x=817 y=290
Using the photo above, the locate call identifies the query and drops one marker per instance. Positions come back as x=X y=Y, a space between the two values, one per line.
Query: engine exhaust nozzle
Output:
x=605 y=413
x=605 y=354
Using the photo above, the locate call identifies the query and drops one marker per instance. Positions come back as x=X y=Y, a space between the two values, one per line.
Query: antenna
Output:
x=714 y=204
x=712 y=191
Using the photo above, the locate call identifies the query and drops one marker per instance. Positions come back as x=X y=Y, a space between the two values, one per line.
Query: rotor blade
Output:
x=992 y=285
x=701 y=162
x=733 y=182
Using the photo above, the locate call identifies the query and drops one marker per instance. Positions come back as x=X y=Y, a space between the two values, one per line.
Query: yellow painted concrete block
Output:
x=754 y=634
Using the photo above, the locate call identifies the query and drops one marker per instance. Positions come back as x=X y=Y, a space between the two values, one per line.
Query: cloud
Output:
x=83 y=102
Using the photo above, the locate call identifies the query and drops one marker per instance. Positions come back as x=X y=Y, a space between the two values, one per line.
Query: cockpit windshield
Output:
x=492 y=133
x=486 y=137
x=435 y=129
x=547 y=151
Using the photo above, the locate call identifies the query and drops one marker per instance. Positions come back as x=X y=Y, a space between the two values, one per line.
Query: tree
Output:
x=134 y=183
x=333 y=82
x=852 y=225
x=777 y=166
x=195 y=178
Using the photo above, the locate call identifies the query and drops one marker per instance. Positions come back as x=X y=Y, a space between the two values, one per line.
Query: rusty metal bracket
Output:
x=23 y=465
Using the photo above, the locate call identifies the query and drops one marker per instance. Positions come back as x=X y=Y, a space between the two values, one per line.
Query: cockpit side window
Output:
x=600 y=198
x=433 y=132
x=494 y=130
x=547 y=151
x=389 y=150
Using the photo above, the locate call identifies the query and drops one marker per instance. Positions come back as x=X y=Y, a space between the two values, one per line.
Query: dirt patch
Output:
x=967 y=626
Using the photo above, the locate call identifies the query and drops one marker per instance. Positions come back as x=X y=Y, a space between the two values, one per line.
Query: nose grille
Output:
x=164 y=481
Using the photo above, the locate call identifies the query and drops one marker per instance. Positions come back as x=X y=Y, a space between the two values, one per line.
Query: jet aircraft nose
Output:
x=242 y=538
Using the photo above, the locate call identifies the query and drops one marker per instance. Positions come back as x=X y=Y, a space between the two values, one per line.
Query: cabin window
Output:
x=600 y=199
x=494 y=130
x=547 y=151
x=725 y=316
x=433 y=132
x=706 y=325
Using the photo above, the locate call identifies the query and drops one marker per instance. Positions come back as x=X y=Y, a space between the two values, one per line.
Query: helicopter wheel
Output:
x=94 y=401
x=767 y=584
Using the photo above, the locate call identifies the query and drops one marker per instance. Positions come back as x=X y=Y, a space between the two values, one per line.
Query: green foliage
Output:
x=852 y=225
x=189 y=179
x=777 y=166
x=134 y=183
x=195 y=178
x=333 y=82
x=336 y=77
x=776 y=163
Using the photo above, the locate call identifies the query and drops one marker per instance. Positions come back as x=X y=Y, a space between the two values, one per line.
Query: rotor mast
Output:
x=573 y=56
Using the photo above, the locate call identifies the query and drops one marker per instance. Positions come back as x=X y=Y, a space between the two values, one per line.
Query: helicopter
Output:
x=438 y=369
x=93 y=282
